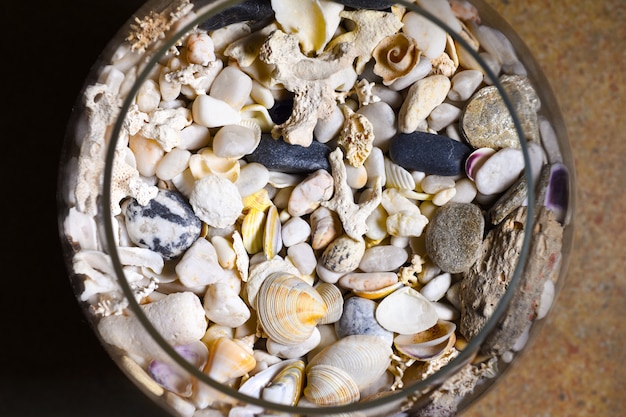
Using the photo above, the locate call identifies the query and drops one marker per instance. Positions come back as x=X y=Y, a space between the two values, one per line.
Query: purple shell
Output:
x=557 y=192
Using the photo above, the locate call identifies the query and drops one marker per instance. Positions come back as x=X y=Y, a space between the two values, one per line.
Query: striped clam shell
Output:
x=364 y=357
x=328 y=385
x=398 y=177
x=288 y=308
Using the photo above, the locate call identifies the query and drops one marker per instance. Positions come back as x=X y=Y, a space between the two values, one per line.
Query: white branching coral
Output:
x=165 y=126
x=146 y=31
x=312 y=80
x=353 y=216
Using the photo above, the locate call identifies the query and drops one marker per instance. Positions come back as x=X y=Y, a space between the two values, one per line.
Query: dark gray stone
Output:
x=249 y=10
x=367 y=4
x=454 y=236
x=429 y=153
x=167 y=224
x=278 y=155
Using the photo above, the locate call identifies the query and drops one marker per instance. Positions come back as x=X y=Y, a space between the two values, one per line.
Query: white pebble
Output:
x=148 y=96
x=444 y=196
x=308 y=195
x=200 y=48
x=232 y=86
x=295 y=230
x=383 y=258
x=172 y=164
x=356 y=177
x=226 y=255
x=375 y=166
x=464 y=84
x=452 y=295
x=546 y=300
x=262 y=95
x=223 y=306
x=211 y=112
x=194 y=137
x=432 y=184
x=169 y=90
x=327 y=129
x=499 y=171
x=446 y=311
x=443 y=115
x=252 y=178
x=199 y=265
x=436 y=288
x=147 y=153
x=465 y=191
x=383 y=120
x=235 y=141
x=430 y=38
x=303 y=257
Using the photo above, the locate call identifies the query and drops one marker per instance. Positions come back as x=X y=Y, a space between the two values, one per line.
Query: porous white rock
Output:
x=216 y=201
x=179 y=318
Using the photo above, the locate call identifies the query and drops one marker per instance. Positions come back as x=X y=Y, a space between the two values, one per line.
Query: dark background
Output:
x=51 y=363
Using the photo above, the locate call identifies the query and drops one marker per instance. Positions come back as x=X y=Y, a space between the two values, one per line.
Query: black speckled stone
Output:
x=254 y=10
x=278 y=155
x=167 y=224
x=367 y=4
x=429 y=153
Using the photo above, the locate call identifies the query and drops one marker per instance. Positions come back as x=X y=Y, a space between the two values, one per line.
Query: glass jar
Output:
x=316 y=208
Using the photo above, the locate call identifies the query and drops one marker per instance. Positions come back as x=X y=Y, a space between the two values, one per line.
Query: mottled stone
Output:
x=486 y=282
x=454 y=236
x=278 y=155
x=486 y=121
x=167 y=224
x=429 y=153
x=254 y=10
x=358 y=318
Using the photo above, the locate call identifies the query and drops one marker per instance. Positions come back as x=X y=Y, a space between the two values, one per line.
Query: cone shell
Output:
x=288 y=308
x=228 y=359
x=364 y=357
x=328 y=385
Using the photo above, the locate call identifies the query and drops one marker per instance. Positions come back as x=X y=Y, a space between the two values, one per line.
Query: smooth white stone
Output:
x=421 y=99
x=326 y=274
x=387 y=95
x=367 y=281
x=194 y=137
x=199 y=265
x=383 y=258
x=375 y=166
x=356 y=177
x=295 y=230
x=499 y=171
x=546 y=300
x=147 y=153
x=432 y=184
x=446 y=311
x=436 y=288
x=292 y=352
x=377 y=224
x=173 y=163
x=464 y=84
x=430 y=38
x=232 y=86
x=443 y=196
x=400 y=241
x=308 y=195
x=383 y=120
x=452 y=295
x=223 y=306
x=211 y=112
x=443 y=115
x=303 y=258
x=421 y=70
x=441 y=10
x=329 y=128
x=252 y=178
x=234 y=141
x=465 y=191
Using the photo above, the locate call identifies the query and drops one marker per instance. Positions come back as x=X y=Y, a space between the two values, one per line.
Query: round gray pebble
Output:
x=166 y=225
x=358 y=318
x=454 y=236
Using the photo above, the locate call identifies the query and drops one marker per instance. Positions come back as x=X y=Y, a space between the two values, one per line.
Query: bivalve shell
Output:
x=228 y=359
x=333 y=298
x=429 y=344
x=392 y=312
x=288 y=308
x=286 y=387
x=328 y=385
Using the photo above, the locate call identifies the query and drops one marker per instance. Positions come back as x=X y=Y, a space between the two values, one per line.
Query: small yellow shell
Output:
x=272 y=239
x=252 y=230
x=228 y=359
x=288 y=308
x=205 y=162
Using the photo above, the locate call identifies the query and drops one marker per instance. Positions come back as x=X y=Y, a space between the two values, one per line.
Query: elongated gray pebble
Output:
x=454 y=236
x=358 y=318
x=167 y=224
x=429 y=153
x=278 y=155
x=254 y=10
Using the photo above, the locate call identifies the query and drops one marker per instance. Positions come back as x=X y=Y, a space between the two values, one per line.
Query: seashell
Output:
x=557 y=192
x=476 y=159
x=429 y=344
x=235 y=141
x=228 y=358
x=398 y=177
x=252 y=231
x=325 y=227
x=392 y=312
x=286 y=387
x=378 y=293
x=328 y=385
x=288 y=308
x=294 y=351
x=314 y=23
x=333 y=298
x=260 y=271
x=272 y=238
x=364 y=357
x=173 y=378
x=395 y=56
x=259 y=200
x=343 y=254
x=205 y=162
x=258 y=114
